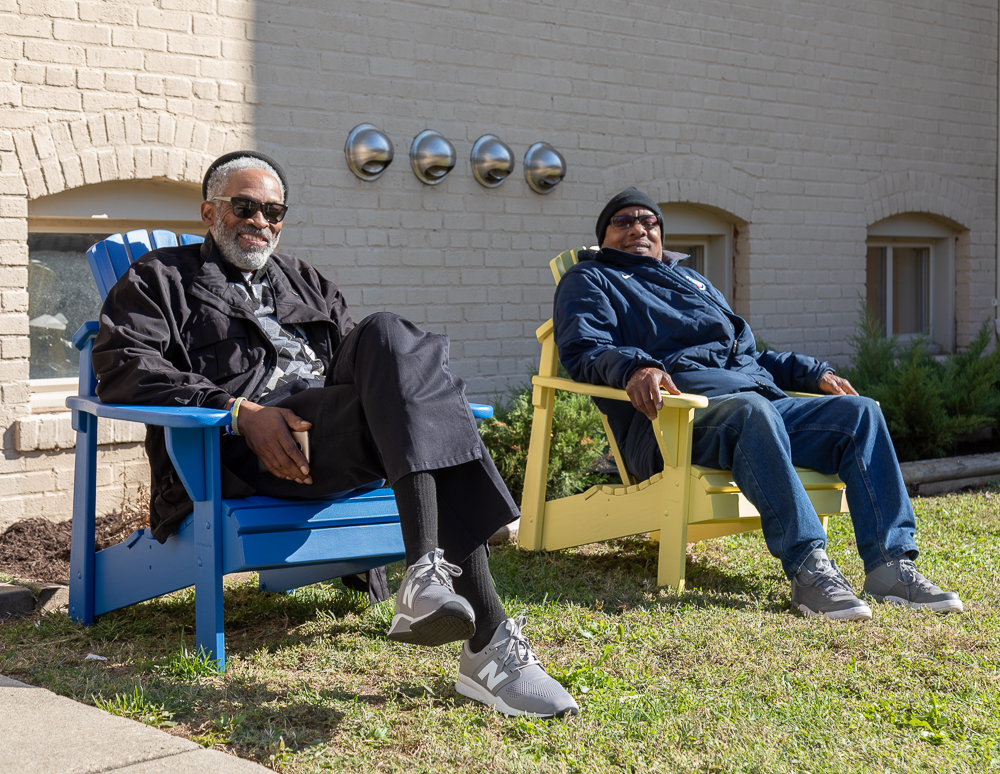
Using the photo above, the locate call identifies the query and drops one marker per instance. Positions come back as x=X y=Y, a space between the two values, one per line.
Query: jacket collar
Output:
x=620 y=257
x=212 y=285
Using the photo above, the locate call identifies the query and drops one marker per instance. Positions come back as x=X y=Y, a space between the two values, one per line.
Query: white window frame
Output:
x=685 y=246
x=113 y=207
x=889 y=278
x=921 y=231
x=688 y=225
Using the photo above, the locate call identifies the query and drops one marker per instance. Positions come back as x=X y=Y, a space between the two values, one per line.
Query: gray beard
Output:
x=227 y=241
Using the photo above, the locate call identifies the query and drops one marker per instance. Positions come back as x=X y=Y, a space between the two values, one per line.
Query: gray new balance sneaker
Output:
x=428 y=611
x=508 y=676
x=820 y=590
x=899 y=582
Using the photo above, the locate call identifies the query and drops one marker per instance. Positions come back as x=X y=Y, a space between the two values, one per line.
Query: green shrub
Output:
x=578 y=443
x=928 y=405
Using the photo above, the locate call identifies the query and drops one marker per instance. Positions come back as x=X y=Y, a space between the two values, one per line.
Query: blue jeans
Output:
x=761 y=441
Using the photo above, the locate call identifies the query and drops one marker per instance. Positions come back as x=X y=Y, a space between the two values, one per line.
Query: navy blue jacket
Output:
x=615 y=312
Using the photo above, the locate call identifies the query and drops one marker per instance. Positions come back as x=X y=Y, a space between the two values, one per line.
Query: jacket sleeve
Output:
x=792 y=371
x=587 y=334
x=138 y=357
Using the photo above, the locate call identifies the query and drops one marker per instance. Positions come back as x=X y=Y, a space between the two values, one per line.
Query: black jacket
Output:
x=173 y=332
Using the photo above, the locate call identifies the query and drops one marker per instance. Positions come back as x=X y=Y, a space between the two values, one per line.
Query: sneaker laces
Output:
x=830 y=579
x=518 y=648
x=440 y=569
x=909 y=575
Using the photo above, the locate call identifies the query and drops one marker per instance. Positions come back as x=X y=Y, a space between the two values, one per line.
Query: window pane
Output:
x=910 y=289
x=697 y=253
x=876 y=283
x=62 y=295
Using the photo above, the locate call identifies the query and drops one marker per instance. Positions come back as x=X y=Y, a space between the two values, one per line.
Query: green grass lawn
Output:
x=720 y=678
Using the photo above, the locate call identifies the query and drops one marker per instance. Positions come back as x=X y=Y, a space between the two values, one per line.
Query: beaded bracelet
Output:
x=232 y=416
x=228 y=429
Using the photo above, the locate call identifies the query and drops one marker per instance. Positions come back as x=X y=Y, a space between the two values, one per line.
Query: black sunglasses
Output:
x=625 y=221
x=247 y=208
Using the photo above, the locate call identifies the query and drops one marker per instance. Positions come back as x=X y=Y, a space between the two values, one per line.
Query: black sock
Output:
x=476 y=585
x=416 y=498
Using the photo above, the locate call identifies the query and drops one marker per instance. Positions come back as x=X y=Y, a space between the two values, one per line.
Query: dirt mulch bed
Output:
x=38 y=549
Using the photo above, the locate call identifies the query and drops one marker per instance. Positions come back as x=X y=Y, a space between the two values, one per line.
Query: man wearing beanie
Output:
x=232 y=324
x=632 y=316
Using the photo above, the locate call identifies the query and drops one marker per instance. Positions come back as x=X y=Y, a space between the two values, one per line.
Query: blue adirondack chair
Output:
x=290 y=543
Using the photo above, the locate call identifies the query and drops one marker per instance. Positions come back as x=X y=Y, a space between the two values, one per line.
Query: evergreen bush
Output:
x=928 y=405
x=578 y=442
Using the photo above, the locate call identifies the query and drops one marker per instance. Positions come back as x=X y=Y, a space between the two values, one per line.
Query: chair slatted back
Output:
x=110 y=258
x=567 y=258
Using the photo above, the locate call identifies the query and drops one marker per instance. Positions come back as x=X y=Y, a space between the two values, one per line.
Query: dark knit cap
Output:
x=240 y=155
x=630 y=197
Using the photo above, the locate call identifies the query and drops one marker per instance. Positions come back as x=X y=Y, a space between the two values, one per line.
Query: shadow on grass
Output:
x=254 y=621
x=621 y=574
x=614 y=576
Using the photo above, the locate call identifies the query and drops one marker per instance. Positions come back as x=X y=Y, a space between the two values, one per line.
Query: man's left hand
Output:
x=831 y=384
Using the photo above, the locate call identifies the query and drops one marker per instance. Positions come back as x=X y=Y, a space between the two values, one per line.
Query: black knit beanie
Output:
x=240 y=155
x=630 y=197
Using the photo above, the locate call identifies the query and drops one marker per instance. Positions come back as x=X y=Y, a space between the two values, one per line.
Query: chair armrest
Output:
x=86 y=332
x=545 y=330
x=185 y=416
x=163 y=416
x=481 y=410
x=684 y=400
x=793 y=394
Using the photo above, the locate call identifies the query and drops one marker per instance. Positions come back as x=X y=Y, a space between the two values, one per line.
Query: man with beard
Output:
x=630 y=316
x=231 y=324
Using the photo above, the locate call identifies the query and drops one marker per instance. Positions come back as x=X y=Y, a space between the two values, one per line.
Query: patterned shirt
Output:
x=296 y=359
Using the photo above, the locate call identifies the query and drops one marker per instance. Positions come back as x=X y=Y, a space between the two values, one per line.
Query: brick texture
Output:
x=802 y=125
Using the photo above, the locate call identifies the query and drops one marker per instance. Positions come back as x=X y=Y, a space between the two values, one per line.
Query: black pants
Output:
x=391 y=406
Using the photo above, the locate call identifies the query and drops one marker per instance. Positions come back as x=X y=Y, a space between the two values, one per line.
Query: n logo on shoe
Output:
x=409 y=593
x=489 y=674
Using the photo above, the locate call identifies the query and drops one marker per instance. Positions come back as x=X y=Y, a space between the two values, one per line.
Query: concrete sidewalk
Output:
x=42 y=733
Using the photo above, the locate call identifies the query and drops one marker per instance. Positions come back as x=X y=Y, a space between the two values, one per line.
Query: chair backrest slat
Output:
x=138 y=244
x=100 y=267
x=110 y=258
x=164 y=238
x=565 y=260
x=120 y=256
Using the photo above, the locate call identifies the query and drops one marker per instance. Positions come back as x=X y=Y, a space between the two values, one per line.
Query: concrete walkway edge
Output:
x=43 y=733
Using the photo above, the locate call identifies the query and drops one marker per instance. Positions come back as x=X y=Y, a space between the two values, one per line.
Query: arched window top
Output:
x=695 y=219
x=914 y=225
x=120 y=204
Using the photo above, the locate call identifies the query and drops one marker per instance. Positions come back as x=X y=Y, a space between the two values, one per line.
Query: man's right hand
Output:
x=266 y=429
x=644 y=387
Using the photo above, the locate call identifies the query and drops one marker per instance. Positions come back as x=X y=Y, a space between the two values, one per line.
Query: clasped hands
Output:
x=644 y=386
x=266 y=429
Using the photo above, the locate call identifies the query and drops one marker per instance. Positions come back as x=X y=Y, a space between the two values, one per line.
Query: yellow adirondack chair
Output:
x=685 y=503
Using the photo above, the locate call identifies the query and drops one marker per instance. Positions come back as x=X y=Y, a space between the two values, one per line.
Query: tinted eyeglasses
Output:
x=625 y=221
x=247 y=208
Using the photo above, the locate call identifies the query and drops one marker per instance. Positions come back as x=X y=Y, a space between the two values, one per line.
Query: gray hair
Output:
x=219 y=180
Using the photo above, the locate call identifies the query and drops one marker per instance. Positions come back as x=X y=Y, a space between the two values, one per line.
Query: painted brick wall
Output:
x=813 y=121
x=805 y=123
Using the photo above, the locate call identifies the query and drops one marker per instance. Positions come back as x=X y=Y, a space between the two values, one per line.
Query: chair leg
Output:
x=529 y=535
x=82 y=562
x=209 y=618
x=825 y=521
x=673 y=549
x=673 y=434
